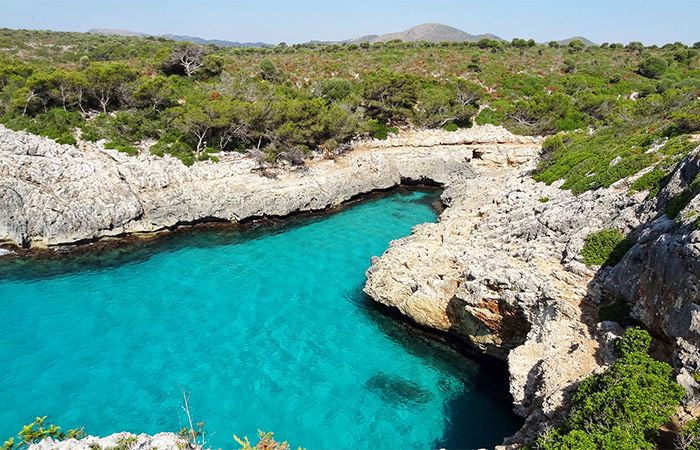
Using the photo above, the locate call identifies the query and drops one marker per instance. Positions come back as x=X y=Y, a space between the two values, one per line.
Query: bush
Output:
x=451 y=127
x=36 y=431
x=605 y=248
x=652 y=67
x=381 y=131
x=122 y=147
x=681 y=200
x=621 y=408
x=689 y=439
x=648 y=180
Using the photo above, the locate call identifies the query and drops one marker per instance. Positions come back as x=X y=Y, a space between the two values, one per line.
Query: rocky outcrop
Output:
x=501 y=270
x=160 y=441
x=660 y=277
x=54 y=194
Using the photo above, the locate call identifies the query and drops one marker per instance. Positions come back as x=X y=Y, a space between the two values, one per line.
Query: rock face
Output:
x=160 y=441
x=502 y=271
x=660 y=278
x=54 y=194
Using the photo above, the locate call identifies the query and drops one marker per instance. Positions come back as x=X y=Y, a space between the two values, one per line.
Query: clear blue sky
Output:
x=273 y=21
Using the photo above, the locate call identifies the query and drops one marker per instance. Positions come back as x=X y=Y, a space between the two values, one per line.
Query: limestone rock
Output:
x=160 y=441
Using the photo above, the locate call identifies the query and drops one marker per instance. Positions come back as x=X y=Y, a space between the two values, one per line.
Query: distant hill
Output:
x=585 y=41
x=116 y=32
x=430 y=32
x=176 y=37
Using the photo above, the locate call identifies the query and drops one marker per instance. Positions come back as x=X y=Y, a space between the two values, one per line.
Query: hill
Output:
x=585 y=41
x=177 y=37
x=430 y=32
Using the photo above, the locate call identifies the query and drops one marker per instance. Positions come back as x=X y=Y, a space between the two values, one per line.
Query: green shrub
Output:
x=381 y=131
x=36 y=431
x=621 y=408
x=689 y=439
x=543 y=200
x=652 y=67
x=605 y=247
x=451 y=127
x=648 y=180
x=122 y=147
x=682 y=199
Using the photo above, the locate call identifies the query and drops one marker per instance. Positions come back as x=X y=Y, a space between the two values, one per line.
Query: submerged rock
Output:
x=397 y=390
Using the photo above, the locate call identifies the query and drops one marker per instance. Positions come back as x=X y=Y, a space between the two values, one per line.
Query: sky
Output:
x=274 y=21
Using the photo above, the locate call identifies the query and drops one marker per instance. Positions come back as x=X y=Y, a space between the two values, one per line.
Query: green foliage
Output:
x=266 y=441
x=605 y=247
x=122 y=147
x=689 y=439
x=682 y=199
x=36 y=431
x=652 y=67
x=379 y=130
x=621 y=408
x=125 y=443
x=450 y=127
x=648 y=180
x=543 y=200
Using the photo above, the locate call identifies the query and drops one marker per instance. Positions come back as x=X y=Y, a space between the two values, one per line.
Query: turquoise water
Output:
x=267 y=327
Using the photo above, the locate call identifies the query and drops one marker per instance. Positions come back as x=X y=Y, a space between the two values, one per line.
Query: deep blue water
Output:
x=267 y=327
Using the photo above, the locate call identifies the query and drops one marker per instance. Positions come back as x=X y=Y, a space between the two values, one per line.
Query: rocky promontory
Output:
x=54 y=194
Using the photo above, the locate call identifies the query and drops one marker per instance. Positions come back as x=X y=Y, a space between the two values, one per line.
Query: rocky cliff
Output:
x=502 y=271
x=57 y=194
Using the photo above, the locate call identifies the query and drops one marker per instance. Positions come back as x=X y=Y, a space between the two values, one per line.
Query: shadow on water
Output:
x=483 y=405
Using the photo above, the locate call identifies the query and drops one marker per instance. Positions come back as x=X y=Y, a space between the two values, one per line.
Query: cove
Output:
x=266 y=326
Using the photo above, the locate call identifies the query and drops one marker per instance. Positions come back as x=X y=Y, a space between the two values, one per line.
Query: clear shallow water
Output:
x=268 y=328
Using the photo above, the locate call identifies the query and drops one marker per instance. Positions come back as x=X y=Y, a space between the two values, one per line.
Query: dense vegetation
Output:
x=286 y=101
x=621 y=408
x=605 y=248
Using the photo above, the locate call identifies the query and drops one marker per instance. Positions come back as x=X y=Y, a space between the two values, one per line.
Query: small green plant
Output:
x=125 y=443
x=36 y=431
x=682 y=199
x=451 y=127
x=605 y=248
x=621 y=408
x=123 y=147
x=648 y=180
x=266 y=442
x=696 y=375
x=543 y=200
x=689 y=438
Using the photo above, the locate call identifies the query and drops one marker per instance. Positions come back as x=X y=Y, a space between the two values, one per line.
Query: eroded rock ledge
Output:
x=57 y=194
x=501 y=270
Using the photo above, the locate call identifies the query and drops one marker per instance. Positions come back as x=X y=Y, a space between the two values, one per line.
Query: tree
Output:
x=187 y=57
x=390 y=95
x=107 y=80
x=193 y=119
x=652 y=67
x=576 y=46
x=268 y=70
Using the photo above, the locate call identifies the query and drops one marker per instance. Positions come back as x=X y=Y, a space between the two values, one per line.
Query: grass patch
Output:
x=605 y=248
x=682 y=199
